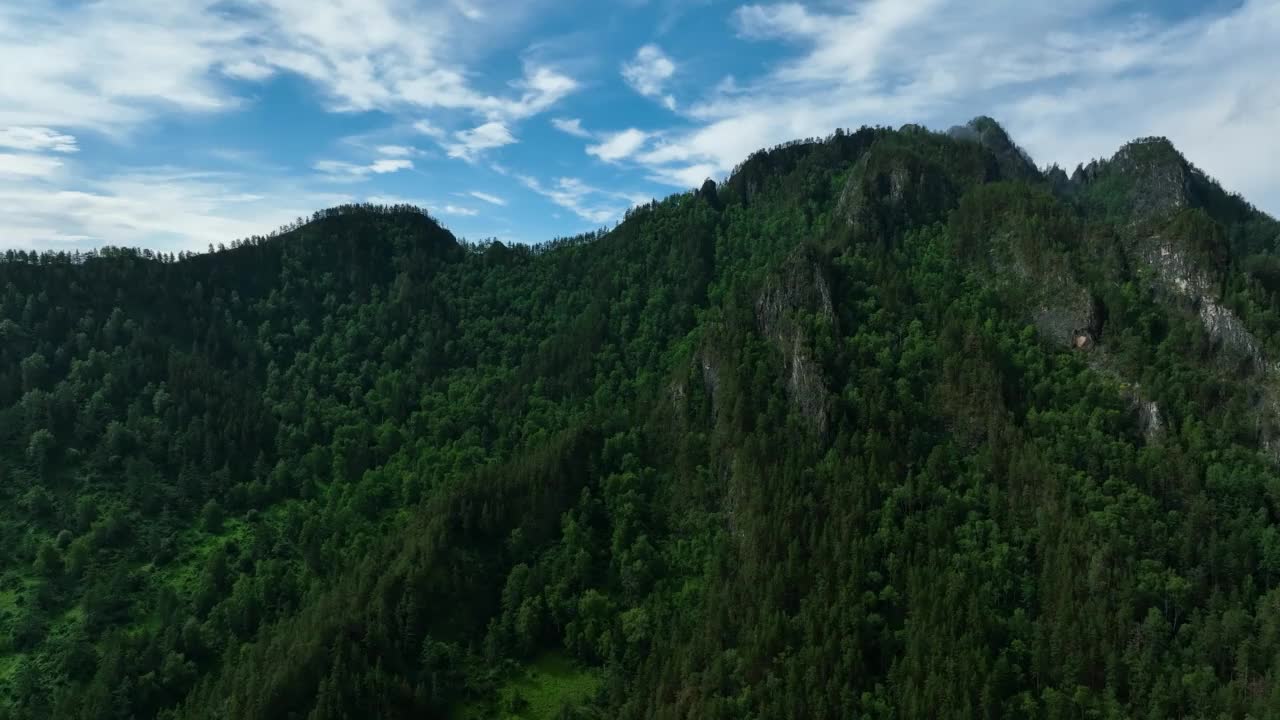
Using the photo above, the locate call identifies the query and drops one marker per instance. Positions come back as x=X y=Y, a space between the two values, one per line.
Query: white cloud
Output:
x=248 y=70
x=685 y=176
x=111 y=66
x=391 y=55
x=390 y=165
x=471 y=143
x=765 y=21
x=1071 y=82
x=468 y=10
x=31 y=166
x=491 y=199
x=428 y=129
x=571 y=126
x=339 y=170
x=648 y=73
x=160 y=208
x=37 y=139
x=619 y=145
x=687 y=159
x=115 y=67
x=396 y=150
x=543 y=87
x=589 y=203
x=433 y=208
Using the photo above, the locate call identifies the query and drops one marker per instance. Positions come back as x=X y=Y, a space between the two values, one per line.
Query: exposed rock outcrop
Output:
x=1174 y=265
x=798 y=292
x=1150 y=422
x=1066 y=315
x=702 y=381
x=710 y=193
x=1064 y=312
x=1230 y=337
x=1161 y=177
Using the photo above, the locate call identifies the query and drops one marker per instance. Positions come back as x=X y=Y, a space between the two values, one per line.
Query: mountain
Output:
x=889 y=424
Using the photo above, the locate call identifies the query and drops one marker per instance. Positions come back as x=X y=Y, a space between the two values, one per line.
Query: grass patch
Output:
x=537 y=691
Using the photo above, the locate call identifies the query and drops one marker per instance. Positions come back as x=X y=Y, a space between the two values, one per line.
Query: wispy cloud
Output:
x=26 y=165
x=87 y=83
x=110 y=66
x=340 y=170
x=162 y=208
x=648 y=72
x=396 y=150
x=587 y=202
x=248 y=70
x=469 y=10
x=388 y=159
x=618 y=146
x=491 y=199
x=469 y=144
x=428 y=129
x=1071 y=82
x=433 y=207
x=37 y=139
x=571 y=126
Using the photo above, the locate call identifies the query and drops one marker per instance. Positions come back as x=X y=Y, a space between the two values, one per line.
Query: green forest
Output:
x=888 y=424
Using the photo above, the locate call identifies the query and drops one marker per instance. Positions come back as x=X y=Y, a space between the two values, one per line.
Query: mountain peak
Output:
x=1014 y=161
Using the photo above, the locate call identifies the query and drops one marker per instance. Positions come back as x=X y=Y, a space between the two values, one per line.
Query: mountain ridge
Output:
x=887 y=424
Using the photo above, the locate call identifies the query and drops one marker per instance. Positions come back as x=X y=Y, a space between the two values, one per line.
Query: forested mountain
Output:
x=889 y=424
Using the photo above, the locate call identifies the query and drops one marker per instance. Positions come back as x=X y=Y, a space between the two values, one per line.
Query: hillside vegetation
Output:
x=890 y=424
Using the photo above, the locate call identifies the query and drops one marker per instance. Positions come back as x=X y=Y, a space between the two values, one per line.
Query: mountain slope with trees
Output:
x=889 y=424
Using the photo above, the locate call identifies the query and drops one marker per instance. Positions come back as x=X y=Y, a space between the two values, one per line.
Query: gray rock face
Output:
x=1174 y=267
x=1150 y=421
x=1230 y=336
x=1160 y=172
x=854 y=205
x=799 y=290
x=705 y=366
x=1175 y=270
x=884 y=182
x=1066 y=315
x=1064 y=312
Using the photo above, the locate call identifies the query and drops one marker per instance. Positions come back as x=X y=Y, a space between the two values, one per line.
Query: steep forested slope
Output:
x=890 y=424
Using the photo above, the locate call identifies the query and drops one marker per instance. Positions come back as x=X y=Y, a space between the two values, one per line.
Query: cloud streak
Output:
x=486 y=197
x=37 y=139
x=111 y=66
x=589 y=203
x=161 y=208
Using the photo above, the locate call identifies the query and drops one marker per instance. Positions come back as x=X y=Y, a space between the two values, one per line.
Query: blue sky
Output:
x=177 y=124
